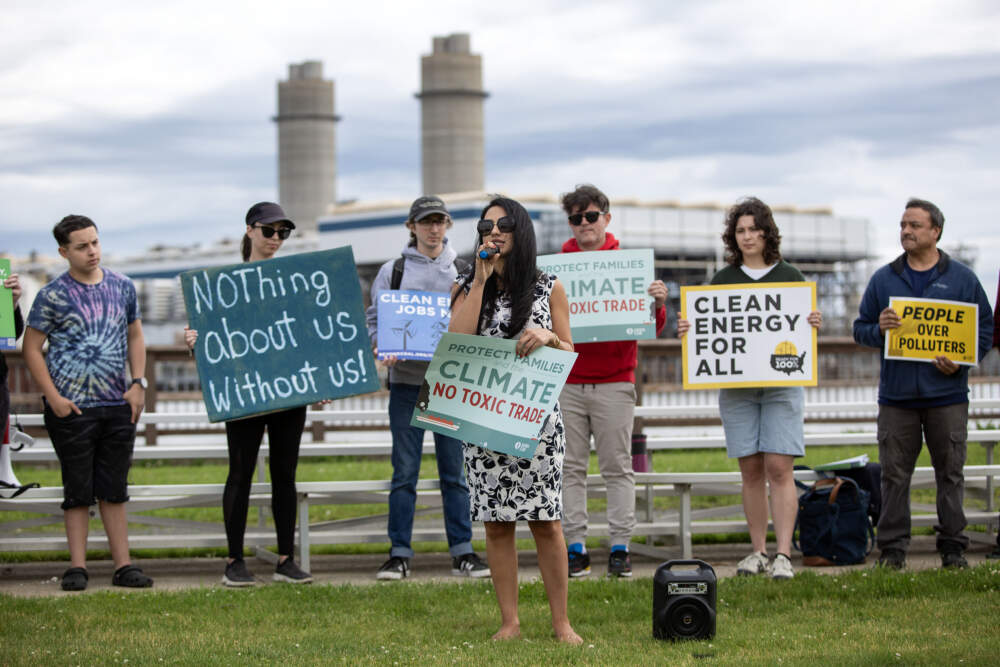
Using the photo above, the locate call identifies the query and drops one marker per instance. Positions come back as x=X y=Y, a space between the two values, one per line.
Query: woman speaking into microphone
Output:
x=506 y=296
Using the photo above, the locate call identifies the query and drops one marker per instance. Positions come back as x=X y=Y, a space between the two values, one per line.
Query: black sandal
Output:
x=75 y=579
x=131 y=576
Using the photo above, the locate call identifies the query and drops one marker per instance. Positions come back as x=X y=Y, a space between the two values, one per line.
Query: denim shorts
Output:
x=95 y=453
x=765 y=419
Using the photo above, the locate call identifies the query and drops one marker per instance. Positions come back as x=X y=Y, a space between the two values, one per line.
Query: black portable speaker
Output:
x=684 y=600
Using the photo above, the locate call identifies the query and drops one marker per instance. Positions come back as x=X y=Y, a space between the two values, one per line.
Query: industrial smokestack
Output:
x=451 y=111
x=307 y=159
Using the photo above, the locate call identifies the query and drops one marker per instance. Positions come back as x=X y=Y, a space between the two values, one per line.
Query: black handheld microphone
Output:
x=486 y=252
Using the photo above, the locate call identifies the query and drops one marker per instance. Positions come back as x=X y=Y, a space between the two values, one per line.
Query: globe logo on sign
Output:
x=787 y=359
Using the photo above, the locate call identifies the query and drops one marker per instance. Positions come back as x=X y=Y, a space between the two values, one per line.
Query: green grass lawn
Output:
x=860 y=618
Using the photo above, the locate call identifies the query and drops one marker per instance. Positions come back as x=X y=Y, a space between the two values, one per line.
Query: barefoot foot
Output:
x=568 y=635
x=508 y=632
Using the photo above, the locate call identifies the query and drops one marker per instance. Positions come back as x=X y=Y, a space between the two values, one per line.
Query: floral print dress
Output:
x=508 y=488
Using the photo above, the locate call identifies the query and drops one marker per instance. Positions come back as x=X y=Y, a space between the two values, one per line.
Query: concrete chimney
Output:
x=307 y=159
x=451 y=117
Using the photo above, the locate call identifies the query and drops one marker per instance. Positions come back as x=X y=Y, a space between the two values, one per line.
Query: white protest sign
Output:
x=752 y=335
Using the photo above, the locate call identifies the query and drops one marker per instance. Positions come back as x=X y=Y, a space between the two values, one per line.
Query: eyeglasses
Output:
x=505 y=224
x=577 y=218
x=282 y=232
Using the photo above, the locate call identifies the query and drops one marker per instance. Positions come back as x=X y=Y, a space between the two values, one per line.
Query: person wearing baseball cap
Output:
x=428 y=263
x=267 y=228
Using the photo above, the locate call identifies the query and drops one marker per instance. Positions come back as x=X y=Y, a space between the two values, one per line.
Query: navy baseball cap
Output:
x=427 y=205
x=266 y=213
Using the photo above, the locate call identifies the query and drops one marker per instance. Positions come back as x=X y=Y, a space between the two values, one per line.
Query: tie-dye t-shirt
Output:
x=87 y=328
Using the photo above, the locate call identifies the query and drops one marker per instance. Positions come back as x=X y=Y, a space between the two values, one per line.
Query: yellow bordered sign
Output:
x=934 y=327
x=749 y=335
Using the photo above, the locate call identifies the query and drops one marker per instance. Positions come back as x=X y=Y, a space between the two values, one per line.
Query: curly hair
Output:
x=763 y=219
x=583 y=196
x=520 y=273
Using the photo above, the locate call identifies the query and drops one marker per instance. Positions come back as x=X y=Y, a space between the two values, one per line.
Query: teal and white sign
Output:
x=607 y=293
x=478 y=390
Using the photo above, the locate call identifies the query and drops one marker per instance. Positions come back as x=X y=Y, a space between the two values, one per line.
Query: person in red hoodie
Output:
x=599 y=399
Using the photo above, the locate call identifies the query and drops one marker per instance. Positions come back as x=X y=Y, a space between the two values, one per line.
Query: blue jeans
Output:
x=407 y=447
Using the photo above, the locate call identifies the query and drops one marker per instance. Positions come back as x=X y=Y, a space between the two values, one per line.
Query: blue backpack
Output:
x=832 y=526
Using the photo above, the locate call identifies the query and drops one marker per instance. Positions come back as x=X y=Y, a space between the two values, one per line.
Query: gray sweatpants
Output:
x=606 y=410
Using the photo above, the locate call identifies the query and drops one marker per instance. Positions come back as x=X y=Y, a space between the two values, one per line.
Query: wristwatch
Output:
x=141 y=382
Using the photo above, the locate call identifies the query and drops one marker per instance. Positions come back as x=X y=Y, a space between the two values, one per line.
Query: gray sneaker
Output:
x=237 y=575
x=781 y=567
x=290 y=573
x=755 y=563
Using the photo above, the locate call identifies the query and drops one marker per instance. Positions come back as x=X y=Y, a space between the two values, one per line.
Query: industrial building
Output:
x=307 y=155
x=685 y=237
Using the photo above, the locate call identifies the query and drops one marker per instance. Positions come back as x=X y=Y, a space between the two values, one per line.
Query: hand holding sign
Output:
x=888 y=319
x=658 y=290
x=13 y=283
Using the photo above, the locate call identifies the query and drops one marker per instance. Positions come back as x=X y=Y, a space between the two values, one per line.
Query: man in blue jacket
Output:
x=919 y=400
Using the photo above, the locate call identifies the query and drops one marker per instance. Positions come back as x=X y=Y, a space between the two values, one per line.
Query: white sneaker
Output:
x=781 y=567
x=755 y=563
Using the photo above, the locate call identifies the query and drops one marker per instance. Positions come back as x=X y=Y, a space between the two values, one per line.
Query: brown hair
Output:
x=763 y=219
x=583 y=196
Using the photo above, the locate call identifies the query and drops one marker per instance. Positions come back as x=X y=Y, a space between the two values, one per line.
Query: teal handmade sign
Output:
x=477 y=390
x=607 y=293
x=279 y=333
x=8 y=340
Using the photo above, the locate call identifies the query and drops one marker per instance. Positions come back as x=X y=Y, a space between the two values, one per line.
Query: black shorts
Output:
x=95 y=453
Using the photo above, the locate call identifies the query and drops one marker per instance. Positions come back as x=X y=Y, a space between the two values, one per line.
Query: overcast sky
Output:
x=154 y=118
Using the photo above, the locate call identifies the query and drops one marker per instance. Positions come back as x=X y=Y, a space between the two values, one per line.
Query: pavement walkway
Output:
x=171 y=574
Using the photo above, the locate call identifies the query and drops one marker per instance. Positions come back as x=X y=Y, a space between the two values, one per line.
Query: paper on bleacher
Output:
x=858 y=461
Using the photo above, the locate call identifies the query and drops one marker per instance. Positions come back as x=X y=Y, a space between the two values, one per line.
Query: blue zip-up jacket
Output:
x=918 y=380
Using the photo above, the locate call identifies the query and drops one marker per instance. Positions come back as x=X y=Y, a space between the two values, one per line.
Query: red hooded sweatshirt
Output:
x=610 y=361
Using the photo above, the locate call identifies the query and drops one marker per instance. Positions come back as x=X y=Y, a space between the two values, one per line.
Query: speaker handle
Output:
x=688 y=561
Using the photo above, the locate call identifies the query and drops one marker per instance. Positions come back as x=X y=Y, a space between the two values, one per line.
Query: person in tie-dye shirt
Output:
x=90 y=317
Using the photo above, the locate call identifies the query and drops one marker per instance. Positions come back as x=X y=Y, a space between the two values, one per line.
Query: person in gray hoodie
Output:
x=427 y=264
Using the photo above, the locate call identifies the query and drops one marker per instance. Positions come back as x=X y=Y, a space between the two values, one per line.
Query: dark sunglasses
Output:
x=505 y=225
x=577 y=218
x=283 y=233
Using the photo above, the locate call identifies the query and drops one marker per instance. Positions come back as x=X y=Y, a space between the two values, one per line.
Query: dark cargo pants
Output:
x=901 y=432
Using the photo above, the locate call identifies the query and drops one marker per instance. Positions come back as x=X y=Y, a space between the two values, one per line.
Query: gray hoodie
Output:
x=420 y=272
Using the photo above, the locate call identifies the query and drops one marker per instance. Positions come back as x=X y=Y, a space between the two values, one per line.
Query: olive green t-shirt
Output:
x=783 y=272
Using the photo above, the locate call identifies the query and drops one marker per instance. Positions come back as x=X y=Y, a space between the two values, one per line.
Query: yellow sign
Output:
x=934 y=327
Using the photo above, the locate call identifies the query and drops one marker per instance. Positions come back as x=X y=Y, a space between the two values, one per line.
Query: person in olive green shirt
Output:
x=763 y=425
